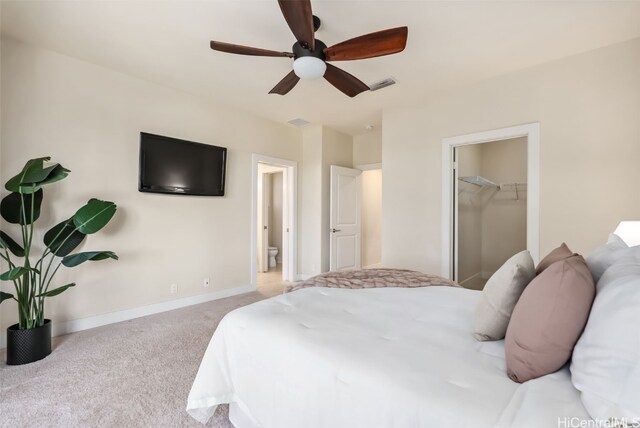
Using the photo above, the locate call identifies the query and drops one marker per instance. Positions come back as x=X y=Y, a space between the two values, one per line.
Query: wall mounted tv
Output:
x=170 y=165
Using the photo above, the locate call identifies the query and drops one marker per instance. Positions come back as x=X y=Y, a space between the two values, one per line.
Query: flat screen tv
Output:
x=170 y=165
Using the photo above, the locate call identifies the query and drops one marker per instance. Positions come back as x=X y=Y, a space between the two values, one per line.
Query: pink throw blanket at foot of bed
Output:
x=372 y=278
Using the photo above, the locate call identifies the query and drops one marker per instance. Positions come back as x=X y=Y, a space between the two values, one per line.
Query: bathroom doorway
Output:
x=273 y=226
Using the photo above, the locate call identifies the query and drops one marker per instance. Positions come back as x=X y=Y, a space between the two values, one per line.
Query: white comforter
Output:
x=323 y=357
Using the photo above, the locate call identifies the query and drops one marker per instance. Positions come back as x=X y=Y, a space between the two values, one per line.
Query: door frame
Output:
x=532 y=132
x=290 y=210
x=262 y=216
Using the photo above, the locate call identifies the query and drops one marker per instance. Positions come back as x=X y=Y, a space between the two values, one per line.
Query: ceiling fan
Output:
x=311 y=55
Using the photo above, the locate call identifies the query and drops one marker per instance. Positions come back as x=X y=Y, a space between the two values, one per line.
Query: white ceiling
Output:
x=451 y=43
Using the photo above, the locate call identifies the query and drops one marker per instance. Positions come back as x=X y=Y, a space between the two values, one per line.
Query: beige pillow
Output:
x=500 y=295
x=548 y=319
x=557 y=254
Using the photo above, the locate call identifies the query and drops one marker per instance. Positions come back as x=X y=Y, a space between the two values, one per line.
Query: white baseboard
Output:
x=58 y=329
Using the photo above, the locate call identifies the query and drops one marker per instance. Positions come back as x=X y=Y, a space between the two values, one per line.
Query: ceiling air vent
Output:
x=383 y=84
x=298 y=122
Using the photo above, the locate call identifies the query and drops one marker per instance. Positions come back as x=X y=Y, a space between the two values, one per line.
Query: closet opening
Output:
x=490 y=201
x=490 y=216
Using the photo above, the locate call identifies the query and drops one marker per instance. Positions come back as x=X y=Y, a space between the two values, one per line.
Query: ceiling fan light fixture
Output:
x=309 y=67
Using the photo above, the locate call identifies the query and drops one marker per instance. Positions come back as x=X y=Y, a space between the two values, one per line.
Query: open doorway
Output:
x=273 y=255
x=371 y=215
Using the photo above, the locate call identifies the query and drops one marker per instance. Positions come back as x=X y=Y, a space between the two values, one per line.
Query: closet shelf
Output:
x=479 y=181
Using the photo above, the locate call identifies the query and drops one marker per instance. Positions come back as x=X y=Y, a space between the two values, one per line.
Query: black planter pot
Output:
x=28 y=345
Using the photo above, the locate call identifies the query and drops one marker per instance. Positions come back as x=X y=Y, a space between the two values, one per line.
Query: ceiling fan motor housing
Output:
x=300 y=51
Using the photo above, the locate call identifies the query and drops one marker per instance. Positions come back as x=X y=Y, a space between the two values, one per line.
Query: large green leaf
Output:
x=14 y=273
x=34 y=175
x=94 y=216
x=11 y=207
x=5 y=296
x=50 y=174
x=15 y=184
x=79 y=258
x=55 y=291
x=63 y=238
x=7 y=242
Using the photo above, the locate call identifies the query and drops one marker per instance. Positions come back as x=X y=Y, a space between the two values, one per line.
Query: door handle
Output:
x=335 y=230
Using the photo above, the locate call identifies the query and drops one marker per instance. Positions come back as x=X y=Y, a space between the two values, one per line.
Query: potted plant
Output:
x=30 y=339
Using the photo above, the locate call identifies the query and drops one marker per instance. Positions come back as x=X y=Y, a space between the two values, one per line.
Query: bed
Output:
x=378 y=357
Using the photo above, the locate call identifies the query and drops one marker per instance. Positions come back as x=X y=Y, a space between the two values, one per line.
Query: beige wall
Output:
x=371 y=217
x=310 y=205
x=89 y=118
x=367 y=147
x=588 y=108
x=275 y=215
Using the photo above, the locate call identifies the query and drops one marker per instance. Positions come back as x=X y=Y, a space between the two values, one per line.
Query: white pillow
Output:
x=500 y=295
x=605 y=255
x=605 y=365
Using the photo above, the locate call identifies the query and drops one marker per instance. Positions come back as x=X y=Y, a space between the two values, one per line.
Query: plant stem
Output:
x=24 y=291
x=33 y=302
x=46 y=288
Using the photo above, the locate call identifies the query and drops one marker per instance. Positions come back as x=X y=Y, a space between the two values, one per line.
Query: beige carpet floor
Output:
x=136 y=373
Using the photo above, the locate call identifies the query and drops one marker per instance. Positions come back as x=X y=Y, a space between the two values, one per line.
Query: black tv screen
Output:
x=170 y=165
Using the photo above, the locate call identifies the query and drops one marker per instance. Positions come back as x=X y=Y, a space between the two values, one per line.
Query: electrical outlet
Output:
x=174 y=288
x=205 y=284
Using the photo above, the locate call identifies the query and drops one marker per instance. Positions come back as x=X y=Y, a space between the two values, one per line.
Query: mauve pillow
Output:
x=548 y=319
x=557 y=254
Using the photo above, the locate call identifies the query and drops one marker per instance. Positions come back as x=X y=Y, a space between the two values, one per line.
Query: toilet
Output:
x=273 y=252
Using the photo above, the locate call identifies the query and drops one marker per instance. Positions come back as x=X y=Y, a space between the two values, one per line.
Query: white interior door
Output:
x=345 y=231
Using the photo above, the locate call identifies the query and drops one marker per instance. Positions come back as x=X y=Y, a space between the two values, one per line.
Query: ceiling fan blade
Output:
x=246 y=50
x=345 y=82
x=299 y=17
x=286 y=84
x=385 y=42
